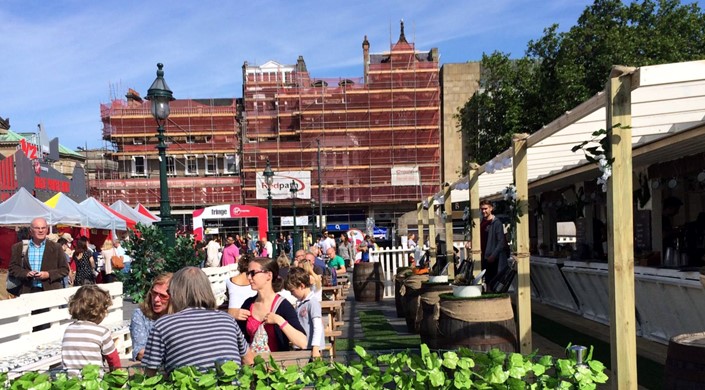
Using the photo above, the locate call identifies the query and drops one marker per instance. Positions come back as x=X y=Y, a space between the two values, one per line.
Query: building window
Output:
x=231 y=164
x=138 y=141
x=191 y=165
x=190 y=139
x=139 y=166
x=211 y=164
x=170 y=165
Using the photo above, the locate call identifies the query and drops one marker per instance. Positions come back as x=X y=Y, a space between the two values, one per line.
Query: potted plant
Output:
x=465 y=286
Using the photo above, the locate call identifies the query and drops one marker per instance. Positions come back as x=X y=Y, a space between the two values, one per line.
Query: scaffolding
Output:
x=202 y=154
x=364 y=128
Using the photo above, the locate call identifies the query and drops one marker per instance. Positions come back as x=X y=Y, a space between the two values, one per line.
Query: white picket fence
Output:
x=394 y=258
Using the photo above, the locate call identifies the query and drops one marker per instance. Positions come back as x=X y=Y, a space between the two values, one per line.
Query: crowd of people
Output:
x=272 y=303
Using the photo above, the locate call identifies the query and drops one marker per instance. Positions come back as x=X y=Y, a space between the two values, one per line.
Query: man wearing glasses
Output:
x=42 y=266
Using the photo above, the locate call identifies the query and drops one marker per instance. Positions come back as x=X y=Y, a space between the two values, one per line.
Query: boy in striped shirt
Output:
x=85 y=342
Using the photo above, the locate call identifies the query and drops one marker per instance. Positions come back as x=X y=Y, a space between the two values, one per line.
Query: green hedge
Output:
x=462 y=369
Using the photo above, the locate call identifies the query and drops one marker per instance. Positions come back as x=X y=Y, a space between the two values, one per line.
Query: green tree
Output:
x=152 y=256
x=563 y=69
x=497 y=110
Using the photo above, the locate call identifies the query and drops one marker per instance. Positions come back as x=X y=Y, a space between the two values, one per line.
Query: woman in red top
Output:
x=263 y=274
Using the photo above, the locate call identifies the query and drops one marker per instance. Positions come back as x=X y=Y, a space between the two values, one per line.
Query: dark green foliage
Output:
x=560 y=70
x=152 y=256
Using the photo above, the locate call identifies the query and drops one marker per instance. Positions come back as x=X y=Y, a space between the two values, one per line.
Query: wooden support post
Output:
x=620 y=231
x=420 y=219
x=521 y=182
x=448 y=206
x=475 y=215
x=431 y=232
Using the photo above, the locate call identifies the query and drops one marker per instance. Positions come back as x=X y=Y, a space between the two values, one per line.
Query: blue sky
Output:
x=61 y=59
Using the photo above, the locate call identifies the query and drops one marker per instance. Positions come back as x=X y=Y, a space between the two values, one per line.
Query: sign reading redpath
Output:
x=281 y=187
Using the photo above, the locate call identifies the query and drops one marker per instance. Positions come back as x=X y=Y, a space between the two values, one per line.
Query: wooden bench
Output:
x=217 y=276
x=22 y=349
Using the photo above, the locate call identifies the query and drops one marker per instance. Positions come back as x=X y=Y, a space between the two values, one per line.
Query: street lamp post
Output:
x=294 y=189
x=313 y=224
x=160 y=95
x=269 y=180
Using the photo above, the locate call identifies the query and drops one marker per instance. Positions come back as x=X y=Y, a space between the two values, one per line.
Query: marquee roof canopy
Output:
x=124 y=209
x=63 y=203
x=667 y=100
x=120 y=221
x=21 y=208
x=144 y=211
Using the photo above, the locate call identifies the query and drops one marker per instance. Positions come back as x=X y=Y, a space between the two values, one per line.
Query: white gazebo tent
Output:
x=21 y=208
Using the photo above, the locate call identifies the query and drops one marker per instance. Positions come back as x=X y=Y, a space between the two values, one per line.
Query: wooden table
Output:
x=336 y=290
x=333 y=311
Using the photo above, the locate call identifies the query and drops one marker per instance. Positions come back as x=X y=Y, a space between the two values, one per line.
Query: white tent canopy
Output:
x=88 y=219
x=92 y=206
x=21 y=208
x=124 y=209
x=666 y=100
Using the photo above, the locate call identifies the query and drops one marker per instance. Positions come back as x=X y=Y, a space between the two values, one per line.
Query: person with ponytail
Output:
x=269 y=321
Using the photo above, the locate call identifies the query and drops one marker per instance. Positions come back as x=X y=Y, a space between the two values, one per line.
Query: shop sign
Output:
x=405 y=175
x=281 y=185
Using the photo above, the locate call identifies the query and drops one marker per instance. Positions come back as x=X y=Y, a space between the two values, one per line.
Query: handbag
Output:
x=260 y=340
x=116 y=261
x=13 y=284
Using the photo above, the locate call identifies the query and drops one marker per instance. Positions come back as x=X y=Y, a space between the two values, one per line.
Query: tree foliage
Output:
x=152 y=256
x=560 y=70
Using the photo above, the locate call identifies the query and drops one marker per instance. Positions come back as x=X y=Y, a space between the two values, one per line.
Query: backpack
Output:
x=14 y=285
x=327 y=277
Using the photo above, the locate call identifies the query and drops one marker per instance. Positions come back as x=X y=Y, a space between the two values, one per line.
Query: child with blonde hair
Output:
x=85 y=342
x=308 y=309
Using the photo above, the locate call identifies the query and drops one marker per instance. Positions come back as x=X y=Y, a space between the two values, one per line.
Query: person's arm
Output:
x=108 y=350
x=341 y=266
x=318 y=334
x=113 y=359
x=60 y=268
x=139 y=330
x=296 y=336
x=498 y=233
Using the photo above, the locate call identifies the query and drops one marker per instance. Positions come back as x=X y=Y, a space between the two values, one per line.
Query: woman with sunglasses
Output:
x=263 y=274
x=154 y=305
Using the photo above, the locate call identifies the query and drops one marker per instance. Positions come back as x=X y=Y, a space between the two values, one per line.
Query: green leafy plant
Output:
x=152 y=256
x=405 y=370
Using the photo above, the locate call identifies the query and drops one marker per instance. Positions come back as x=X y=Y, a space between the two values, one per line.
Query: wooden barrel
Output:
x=479 y=323
x=412 y=295
x=430 y=309
x=402 y=274
x=685 y=362
x=368 y=282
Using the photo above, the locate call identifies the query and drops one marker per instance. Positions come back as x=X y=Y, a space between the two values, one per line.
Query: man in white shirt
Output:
x=268 y=246
x=212 y=251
